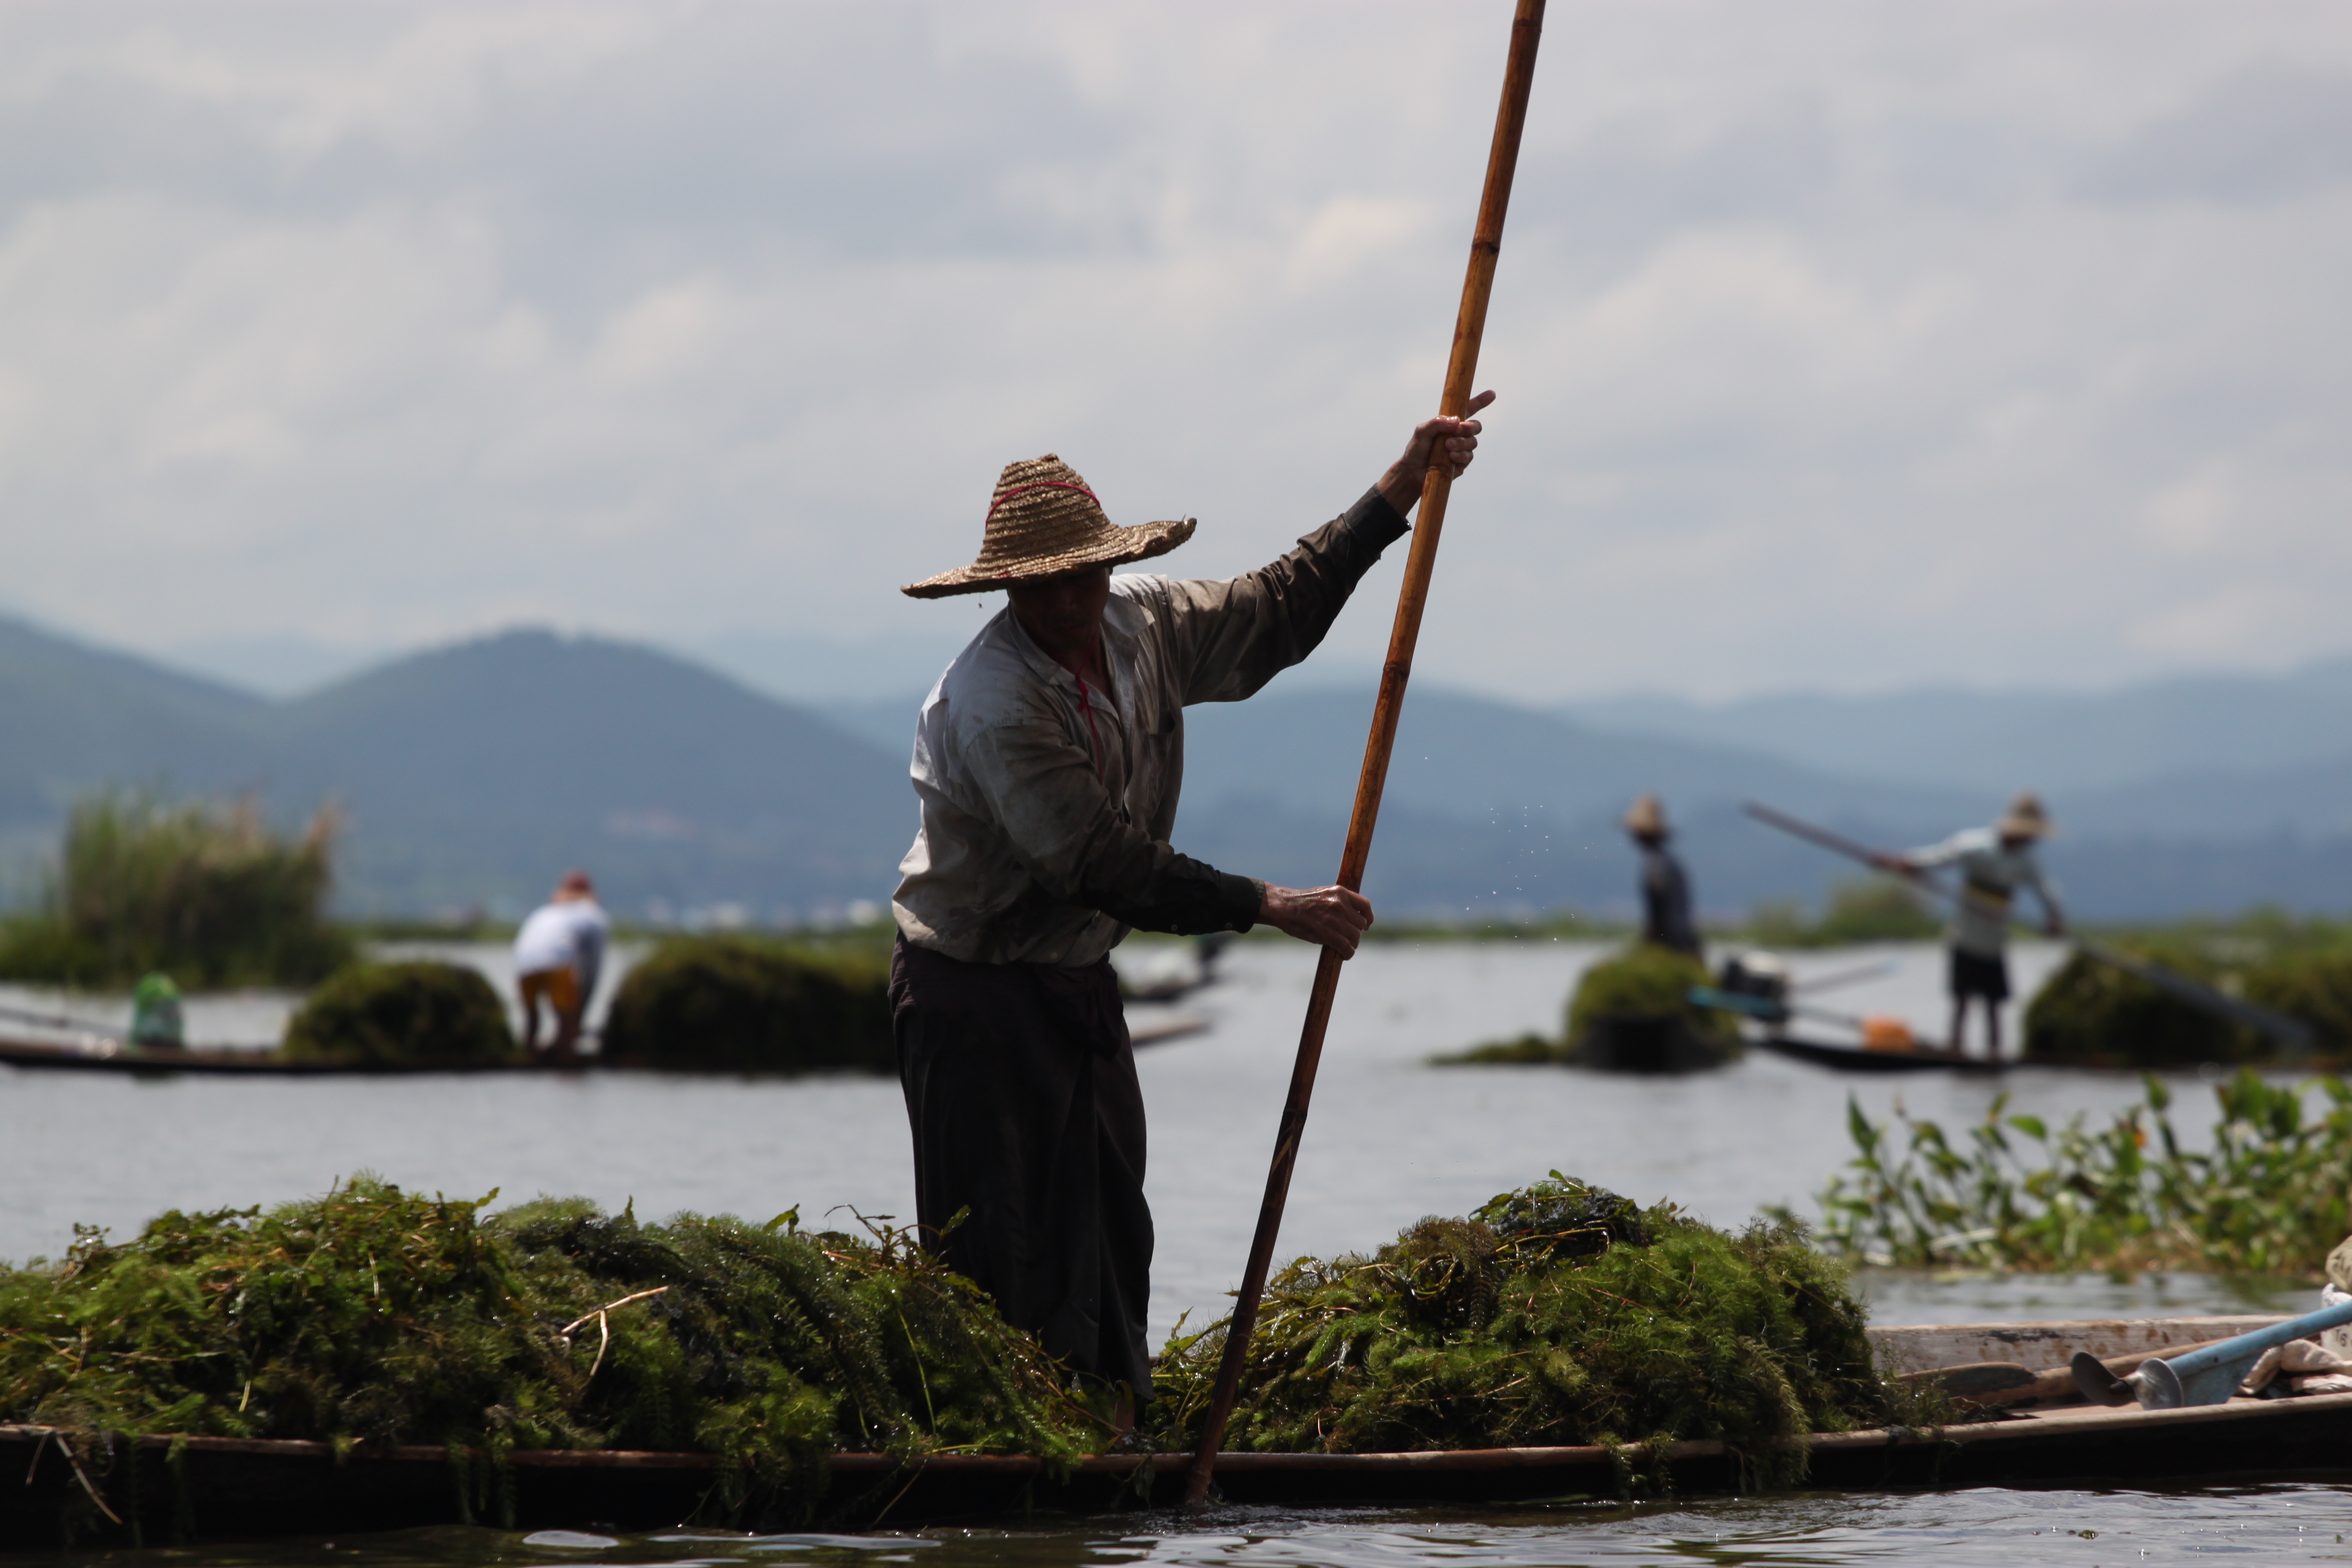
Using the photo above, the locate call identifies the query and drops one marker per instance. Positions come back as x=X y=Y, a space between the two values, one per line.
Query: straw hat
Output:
x=2026 y=819
x=1043 y=522
x=1646 y=815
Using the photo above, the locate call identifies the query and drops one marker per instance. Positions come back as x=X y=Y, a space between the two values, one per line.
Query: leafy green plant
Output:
x=375 y=1316
x=752 y=1005
x=205 y=892
x=2267 y=1197
x=1559 y=1313
x=1645 y=981
x=388 y=1015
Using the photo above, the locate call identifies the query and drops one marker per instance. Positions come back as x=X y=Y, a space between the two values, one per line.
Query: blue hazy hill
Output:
x=477 y=773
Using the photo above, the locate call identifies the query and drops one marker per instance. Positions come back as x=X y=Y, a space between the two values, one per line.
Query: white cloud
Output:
x=1840 y=343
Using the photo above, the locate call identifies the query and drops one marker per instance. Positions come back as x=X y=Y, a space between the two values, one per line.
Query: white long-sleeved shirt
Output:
x=566 y=935
x=1990 y=875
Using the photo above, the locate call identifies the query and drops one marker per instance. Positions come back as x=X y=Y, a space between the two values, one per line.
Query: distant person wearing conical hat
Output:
x=1994 y=863
x=558 y=954
x=1047 y=766
x=1665 y=889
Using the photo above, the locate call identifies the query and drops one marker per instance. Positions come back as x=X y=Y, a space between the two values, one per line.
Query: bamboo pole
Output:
x=1412 y=597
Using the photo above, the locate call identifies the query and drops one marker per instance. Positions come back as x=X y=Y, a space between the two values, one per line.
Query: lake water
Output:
x=1391 y=1140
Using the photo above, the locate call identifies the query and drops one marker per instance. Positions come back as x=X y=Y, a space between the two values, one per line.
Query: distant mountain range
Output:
x=2213 y=726
x=475 y=774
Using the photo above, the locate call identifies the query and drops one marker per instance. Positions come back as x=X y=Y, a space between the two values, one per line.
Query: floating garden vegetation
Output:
x=1557 y=1314
x=2267 y=1197
x=755 y=1005
x=389 y=1014
x=208 y=893
x=1644 y=987
x=2301 y=968
x=375 y=1316
x=1645 y=983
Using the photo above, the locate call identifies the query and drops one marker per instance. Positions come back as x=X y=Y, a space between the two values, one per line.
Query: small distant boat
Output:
x=1866 y=1059
x=224 y=1488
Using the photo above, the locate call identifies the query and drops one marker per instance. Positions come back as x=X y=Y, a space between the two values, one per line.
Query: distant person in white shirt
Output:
x=557 y=954
x=1994 y=863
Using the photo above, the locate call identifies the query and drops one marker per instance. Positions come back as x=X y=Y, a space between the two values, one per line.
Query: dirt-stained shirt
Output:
x=1046 y=805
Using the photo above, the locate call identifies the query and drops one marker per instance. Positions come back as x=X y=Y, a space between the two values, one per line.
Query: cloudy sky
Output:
x=1840 y=344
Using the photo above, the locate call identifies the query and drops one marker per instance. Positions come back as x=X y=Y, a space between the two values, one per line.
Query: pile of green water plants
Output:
x=2299 y=968
x=375 y=1316
x=2268 y=1196
x=393 y=1015
x=753 y=1004
x=207 y=892
x=1645 y=984
x=1556 y=1314
x=2093 y=1011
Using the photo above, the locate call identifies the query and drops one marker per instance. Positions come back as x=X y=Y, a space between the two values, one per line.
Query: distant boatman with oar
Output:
x=1666 y=887
x=1047 y=763
x=1994 y=863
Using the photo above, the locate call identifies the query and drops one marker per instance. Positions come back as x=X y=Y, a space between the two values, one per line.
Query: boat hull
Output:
x=229 y=1489
x=1853 y=1059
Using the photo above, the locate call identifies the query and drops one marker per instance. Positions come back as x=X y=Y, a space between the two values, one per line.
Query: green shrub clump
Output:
x=1645 y=981
x=374 y=1316
x=2095 y=1011
x=207 y=893
x=2315 y=986
x=396 y=1014
x=1557 y=1314
x=753 y=1006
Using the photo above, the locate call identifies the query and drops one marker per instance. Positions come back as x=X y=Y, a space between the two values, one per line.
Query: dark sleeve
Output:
x=1041 y=787
x=1235 y=635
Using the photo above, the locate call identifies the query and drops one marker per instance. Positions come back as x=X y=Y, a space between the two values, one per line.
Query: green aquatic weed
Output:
x=375 y=1316
x=1560 y=1314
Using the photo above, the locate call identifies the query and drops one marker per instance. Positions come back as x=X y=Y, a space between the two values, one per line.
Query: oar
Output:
x=2292 y=1032
x=1469 y=327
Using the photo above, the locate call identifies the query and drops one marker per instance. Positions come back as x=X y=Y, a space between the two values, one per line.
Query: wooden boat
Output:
x=1855 y=1059
x=227 y=1488
x=97 y=1053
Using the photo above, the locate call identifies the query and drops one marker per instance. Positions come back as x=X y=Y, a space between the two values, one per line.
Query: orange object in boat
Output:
x=1881 y=1033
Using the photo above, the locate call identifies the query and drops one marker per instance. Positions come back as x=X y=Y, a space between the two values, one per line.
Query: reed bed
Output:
x=205 y=891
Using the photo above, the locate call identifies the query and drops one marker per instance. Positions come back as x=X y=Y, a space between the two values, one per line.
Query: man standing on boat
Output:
x=1665 y=889
x=1994 y=863
x=1047 y=766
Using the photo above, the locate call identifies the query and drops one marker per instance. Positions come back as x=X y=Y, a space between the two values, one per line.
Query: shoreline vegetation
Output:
x=205 y=891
